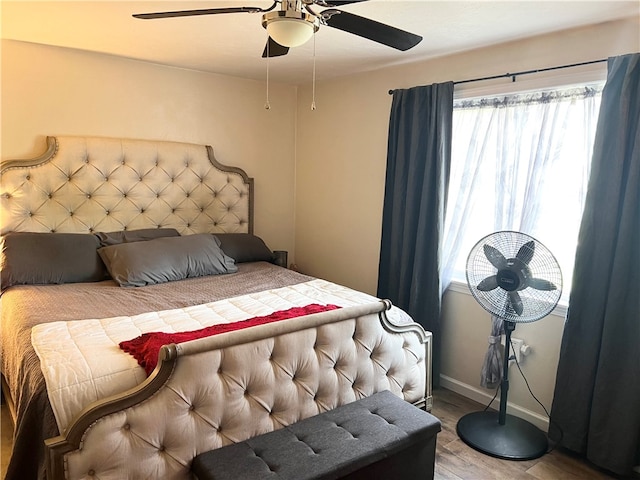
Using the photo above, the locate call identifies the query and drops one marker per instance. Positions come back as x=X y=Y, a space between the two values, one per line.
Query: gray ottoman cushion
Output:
x=375 y=437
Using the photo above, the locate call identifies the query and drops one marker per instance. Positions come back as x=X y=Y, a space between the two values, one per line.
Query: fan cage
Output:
x=543 y=265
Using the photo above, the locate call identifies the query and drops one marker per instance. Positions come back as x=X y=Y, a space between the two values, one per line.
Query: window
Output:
x=520 y=162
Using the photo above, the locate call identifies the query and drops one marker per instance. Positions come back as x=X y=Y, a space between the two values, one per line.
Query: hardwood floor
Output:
x=457 y=461
x=454 y=459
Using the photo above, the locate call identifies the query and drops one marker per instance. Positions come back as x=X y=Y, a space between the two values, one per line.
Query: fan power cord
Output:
x=493 y=399
x=551 y=422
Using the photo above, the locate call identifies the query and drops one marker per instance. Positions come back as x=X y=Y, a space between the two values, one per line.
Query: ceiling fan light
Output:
x=290 y=28
x=290 y=32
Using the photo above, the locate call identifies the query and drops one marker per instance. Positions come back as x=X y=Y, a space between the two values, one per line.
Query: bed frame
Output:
x=203 y=394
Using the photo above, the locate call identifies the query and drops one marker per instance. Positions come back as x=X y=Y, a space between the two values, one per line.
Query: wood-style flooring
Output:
x=454 y=459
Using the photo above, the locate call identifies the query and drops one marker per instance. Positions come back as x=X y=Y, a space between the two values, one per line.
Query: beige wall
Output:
x=319 y=175
x=341 y=156
x=57 y=91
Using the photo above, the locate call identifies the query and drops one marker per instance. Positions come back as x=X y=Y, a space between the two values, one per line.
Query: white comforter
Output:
x=82 y=362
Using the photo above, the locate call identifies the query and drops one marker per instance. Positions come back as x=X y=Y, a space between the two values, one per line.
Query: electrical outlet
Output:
x=516 y=349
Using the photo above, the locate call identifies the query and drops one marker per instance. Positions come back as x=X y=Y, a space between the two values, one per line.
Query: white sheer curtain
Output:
x=519 y=162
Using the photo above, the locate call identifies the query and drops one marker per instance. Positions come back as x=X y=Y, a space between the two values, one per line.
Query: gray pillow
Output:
x=49 y=258
x=244 y=247
x=126 y=236
x=165 y=259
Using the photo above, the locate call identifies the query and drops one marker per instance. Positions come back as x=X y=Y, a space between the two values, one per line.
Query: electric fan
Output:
x=516 y=278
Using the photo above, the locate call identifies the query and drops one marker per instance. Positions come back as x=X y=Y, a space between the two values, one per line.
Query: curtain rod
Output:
x=525 y=72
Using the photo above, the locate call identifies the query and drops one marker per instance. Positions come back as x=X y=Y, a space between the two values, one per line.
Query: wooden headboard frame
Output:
x=96 y=184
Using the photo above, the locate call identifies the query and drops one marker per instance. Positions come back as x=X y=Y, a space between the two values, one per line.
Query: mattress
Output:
x=82 y=361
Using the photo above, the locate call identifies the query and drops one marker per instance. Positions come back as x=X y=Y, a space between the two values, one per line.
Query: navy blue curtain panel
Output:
x=418 y=166
x=596 y=405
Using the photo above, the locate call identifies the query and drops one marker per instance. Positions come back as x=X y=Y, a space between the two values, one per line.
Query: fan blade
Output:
x=495 y=257
x=525 y=254
x=541 y=284
x=366 y=28
x=516 y=302
x=274 y=49
x=488 y=284
x=192 y=13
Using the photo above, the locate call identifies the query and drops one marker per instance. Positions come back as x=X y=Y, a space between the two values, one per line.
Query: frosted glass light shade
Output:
x=290 y=32
x=290 y=28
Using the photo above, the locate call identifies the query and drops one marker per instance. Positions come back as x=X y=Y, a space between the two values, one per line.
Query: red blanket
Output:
x=146 y=347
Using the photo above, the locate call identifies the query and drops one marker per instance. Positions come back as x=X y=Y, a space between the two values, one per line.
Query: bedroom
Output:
x=48 y=91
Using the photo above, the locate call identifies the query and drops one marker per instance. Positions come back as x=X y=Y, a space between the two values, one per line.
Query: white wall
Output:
x=57 y=91
x=341 y=157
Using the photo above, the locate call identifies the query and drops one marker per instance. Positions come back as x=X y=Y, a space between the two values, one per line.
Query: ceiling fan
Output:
x=296 y=21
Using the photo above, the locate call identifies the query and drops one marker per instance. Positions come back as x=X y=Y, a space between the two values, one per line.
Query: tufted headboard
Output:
x=95 y=184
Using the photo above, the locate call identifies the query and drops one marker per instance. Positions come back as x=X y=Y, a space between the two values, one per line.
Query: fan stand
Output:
x=499 y=434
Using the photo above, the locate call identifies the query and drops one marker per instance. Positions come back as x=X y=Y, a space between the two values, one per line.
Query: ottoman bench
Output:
x=377 y=437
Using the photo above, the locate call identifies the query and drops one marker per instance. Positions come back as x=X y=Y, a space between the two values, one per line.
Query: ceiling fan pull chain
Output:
x=313 y=95
x=267 y=105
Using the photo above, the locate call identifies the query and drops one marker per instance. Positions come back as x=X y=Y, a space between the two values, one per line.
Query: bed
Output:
x=157 y=236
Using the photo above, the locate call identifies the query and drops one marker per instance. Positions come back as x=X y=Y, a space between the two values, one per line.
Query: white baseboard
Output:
x=540 y=421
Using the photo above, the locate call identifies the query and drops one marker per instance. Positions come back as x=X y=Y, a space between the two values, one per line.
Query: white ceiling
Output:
x=232 y=44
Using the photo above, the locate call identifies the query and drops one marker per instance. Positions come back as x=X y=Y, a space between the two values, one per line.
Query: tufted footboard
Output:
x=219 y=390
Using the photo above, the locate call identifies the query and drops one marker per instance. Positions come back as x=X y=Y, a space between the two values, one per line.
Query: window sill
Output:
x=462 y=287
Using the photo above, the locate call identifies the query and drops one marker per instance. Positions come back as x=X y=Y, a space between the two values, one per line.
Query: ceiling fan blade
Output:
x=516 y=302
x=526 y=251
x=274 y=49
x=366 y=28
x=541 y=284
x=495 y=257
x=336 y=3
x=488 y=284
x=192 y=13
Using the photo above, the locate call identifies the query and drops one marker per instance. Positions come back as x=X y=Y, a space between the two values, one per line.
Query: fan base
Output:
x=517 y=439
